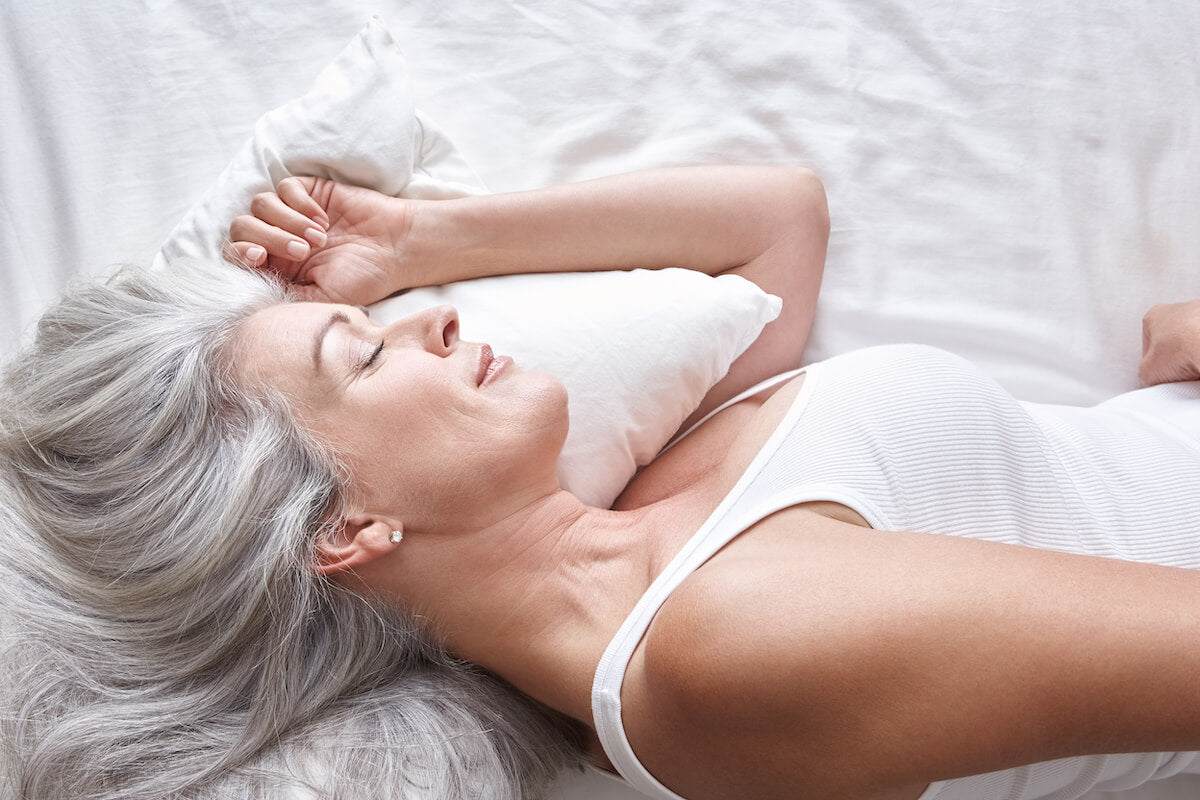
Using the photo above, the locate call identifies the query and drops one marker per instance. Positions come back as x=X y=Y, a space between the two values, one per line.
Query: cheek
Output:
x=375 y=445
x=441 y=449
x=431 y=455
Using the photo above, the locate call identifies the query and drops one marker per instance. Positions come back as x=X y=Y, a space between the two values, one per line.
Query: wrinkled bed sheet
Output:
x=1013 y=181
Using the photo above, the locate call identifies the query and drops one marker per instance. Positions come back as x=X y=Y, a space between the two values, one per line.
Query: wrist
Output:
x=428 y=253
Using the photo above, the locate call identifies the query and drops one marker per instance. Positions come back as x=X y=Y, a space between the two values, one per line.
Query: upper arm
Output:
x=790 y=267
x=738 y=696
x=847 y=662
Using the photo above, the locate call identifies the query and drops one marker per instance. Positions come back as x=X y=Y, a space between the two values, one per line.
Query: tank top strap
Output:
x=761 y=386
x=725 y=522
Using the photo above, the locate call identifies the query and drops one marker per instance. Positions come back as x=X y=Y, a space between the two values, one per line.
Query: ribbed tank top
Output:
x=913 y=438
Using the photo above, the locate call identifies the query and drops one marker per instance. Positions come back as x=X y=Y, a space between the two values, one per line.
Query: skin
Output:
x=403 y=404
x=809 y=640
x=1171 y=343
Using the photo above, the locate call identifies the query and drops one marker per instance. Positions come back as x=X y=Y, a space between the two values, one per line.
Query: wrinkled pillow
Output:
x=636 y=350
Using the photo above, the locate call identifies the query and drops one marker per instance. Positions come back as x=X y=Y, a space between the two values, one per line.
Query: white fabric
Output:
x=913 y=438
x=356 y=124
x=1015 y=182
x=636 y=350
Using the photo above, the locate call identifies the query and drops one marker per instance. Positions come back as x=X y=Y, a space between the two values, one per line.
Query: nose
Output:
x=436 y=328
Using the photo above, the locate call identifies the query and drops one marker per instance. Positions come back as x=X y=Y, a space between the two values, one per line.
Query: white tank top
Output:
x=913 y=438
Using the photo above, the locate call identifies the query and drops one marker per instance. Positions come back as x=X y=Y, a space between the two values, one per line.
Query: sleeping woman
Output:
x=256 y=542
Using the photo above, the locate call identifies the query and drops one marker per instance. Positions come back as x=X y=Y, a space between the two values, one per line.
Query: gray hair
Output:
x=164 y=636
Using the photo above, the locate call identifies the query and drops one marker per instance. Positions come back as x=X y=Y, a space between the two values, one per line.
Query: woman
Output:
x=783 y=641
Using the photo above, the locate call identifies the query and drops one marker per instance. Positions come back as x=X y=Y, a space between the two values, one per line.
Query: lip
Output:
x=490 y=365
x=486 y=357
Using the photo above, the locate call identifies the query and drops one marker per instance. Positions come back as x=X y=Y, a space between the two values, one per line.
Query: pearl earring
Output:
x=396 y=537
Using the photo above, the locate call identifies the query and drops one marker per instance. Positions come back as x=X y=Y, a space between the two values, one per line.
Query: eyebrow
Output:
x=319 y=339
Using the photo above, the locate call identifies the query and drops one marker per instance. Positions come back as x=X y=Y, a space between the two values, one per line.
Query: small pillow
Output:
x=357 y=124
x=636 y=350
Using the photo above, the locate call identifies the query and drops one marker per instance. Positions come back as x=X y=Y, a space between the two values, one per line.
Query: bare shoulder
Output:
x=740 y=628
x=812 y=657
x=742 y=675
x=689 y=698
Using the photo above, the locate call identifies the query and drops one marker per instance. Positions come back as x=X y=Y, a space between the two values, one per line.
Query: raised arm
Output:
x=767 y=224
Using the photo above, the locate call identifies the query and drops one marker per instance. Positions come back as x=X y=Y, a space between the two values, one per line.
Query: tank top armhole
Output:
x=933 y=790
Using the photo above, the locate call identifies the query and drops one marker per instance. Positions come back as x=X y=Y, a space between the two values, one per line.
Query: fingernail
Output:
x=315 y=237
x=297 y=249
x=253 y=254
x=322 y=221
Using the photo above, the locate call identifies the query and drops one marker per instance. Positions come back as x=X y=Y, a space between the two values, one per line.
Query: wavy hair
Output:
x=164 y=636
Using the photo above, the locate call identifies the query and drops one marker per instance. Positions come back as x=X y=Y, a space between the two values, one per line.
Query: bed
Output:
x=1015 y=182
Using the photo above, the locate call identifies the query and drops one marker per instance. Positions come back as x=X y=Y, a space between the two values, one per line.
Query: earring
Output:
x=396 y=537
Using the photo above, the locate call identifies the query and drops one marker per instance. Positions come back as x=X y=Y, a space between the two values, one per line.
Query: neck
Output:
x=534 y=597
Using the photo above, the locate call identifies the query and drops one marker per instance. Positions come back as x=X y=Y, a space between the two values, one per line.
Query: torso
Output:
x=709 y=461
x=768 y=563
x=708 y=456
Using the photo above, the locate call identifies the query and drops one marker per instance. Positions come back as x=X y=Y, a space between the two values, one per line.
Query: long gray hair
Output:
x=163 y=634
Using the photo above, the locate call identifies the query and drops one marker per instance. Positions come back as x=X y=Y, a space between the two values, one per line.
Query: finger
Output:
x=271 y=209
x=297 y=194
x=1150 y=322
x=1150 y=367
x=276 y=241
x=1166 y=363
x=246 y=254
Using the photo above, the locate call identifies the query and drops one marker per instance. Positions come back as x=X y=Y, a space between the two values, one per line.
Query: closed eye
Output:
x=373 y=357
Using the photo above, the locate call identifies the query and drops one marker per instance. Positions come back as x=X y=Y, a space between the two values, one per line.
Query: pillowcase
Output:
x=637 y=350
x=357 y=124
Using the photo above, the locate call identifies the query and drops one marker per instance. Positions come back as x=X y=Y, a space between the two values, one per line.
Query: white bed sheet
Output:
x=1014 y=181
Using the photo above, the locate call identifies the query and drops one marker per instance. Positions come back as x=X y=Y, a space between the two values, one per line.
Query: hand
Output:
x=333 y=242
x=1171 y=343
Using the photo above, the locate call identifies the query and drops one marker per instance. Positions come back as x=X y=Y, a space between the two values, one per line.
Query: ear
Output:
x=360 y=541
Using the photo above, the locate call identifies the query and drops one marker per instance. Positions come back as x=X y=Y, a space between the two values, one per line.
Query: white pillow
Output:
x=636 y=350
x=357 y=124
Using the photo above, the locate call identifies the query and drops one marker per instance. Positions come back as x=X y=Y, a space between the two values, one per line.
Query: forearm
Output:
x=706 y=218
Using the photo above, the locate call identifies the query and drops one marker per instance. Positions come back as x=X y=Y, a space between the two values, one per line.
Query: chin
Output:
x=546 y=409
x=551 y=390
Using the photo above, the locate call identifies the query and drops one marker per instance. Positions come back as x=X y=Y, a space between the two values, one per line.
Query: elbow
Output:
x=820 y=204
x=803 y=236
x=800 y=221
x=810 y=204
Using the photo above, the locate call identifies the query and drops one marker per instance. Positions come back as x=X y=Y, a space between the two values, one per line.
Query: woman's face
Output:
x=434 y=430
